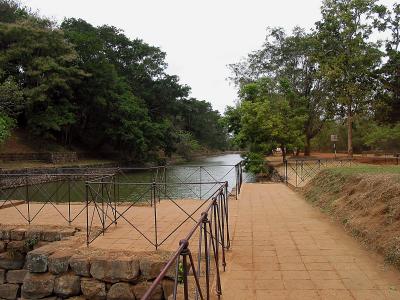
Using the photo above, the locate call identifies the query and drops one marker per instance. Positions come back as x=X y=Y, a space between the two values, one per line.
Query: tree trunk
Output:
x=307 y=148
x=283 y=153
x=350 y=132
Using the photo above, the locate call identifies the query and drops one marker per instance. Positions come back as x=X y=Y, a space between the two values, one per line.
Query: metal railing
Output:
x=104 y=205
x=297 y=172
x=22 y=191
x=214 y=240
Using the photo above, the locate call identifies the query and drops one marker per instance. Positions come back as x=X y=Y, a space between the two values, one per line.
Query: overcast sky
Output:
x=200 y=37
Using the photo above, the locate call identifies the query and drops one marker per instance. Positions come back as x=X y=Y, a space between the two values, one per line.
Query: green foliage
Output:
x=11 y=98
x=186 y=145
x=287 y=64
x=347 y=56
x=6 y=124
x=95 y=87
x=383 y=137
x=255 y=163
x=267 y=120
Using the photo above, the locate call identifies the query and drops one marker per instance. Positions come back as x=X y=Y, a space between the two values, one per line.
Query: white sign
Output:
x=334 y=138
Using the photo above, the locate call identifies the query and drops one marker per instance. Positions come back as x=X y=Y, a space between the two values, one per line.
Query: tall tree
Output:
x=388 y=109
x=348 y=57
x=290 y=61
x=267 y=120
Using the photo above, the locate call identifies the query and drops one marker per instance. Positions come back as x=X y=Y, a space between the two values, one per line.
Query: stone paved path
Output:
x=283 y=248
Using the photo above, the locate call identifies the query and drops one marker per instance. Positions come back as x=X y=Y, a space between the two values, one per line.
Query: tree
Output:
x=388 y=109
x=290 y=62
x=347 y=57
x=267 y=120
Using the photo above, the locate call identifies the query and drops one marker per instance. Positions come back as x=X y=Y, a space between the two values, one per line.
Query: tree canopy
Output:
x=338 y=72
x=94 y=87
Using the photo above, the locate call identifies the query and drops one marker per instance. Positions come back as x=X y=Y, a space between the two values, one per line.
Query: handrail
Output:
x=215 y=208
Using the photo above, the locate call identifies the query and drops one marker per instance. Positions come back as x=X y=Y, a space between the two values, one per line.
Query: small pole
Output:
x=87 y=214
x=155 y=212
x=206 y=255
x=115 y=201
x=184 y=254
x=69 y=201
x=334 y=148
x=27 y=196
x=200 y=182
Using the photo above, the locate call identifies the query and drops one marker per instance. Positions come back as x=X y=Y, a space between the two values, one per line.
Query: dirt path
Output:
x=283 y=248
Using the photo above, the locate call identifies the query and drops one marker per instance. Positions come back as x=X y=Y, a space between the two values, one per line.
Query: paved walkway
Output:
x=283 y=248
x=171 y=224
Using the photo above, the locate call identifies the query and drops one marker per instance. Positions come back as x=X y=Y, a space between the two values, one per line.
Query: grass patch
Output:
x=366 y=169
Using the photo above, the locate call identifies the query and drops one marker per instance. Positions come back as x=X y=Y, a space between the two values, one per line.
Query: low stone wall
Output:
x=23 y=177
x=49 y=157
x=61 y=267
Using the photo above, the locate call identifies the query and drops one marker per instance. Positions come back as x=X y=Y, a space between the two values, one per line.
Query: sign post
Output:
x=334 y=139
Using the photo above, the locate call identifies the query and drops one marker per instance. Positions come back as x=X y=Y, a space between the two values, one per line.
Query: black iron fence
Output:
x=196 y=271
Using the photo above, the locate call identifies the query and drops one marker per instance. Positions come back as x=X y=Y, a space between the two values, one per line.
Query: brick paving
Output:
x=283 y=248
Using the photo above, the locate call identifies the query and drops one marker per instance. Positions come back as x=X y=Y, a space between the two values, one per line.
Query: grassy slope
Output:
x=366 y=200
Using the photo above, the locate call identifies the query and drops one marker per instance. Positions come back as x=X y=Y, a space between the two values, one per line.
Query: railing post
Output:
x=200 y=182
x=155 y=213
x=103 y=221
x=115 y=201
x=184 y=254
x=165 y=180
x=87 y=215
x=27 y=198
x=69 y=201
x=206 y=253
x=286 y=171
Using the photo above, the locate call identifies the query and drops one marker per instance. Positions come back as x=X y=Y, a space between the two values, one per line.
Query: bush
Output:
x=6 y=125
x=255 y=163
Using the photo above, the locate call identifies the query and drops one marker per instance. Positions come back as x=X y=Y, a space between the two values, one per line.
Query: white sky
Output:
x=200 y=37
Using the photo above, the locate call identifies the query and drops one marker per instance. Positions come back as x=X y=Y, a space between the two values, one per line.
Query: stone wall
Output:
x=56 y=264
x=23 y=177
x=48 y=157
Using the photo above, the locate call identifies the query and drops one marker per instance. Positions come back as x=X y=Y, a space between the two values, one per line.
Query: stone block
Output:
x=80 y=265
x=67 y=232
x=9 y=291
x=12 y=261
x=51 y=235
x=38 y=259
x=2 y=276
x=67 y=285
x=2 y=246
x=16 y=276
x=5 y=233
x=76 y=298
x=38 y=286
x=16 y=246
x=141 y=288
x=115 y=269
x=17 y=234
x=33 y=234
x=121 y=291
x=93 y=289
x=59 y=262
x=150 y=267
